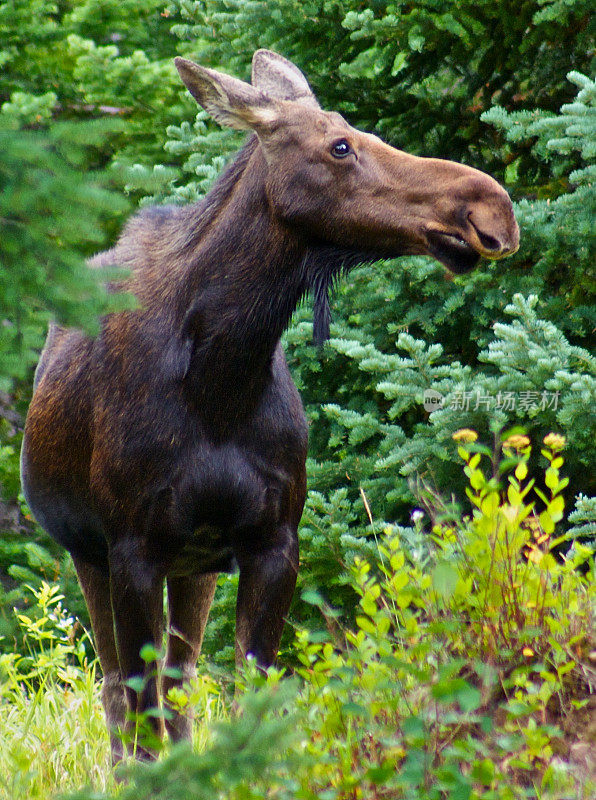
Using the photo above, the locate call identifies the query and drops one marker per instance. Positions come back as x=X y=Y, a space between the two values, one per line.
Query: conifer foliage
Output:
x=91 y=101
x=51 y=214
x=508 y=345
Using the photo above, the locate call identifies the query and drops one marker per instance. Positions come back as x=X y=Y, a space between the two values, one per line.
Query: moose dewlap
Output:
x=173 y=445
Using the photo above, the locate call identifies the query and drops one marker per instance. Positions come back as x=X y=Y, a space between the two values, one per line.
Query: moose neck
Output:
x=245 y=278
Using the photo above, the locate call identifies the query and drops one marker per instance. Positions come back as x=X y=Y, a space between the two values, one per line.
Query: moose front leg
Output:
x=267 y=581
x=136 y=589
x=189 y=601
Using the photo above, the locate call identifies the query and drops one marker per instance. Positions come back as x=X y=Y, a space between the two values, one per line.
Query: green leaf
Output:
x=313 y=598
x=150 y=654
x=353 y=709
x=416 y=38
x=490 y=504
x=136 y=683
x=551 y=477
x=477 y=480
x=556 y=508
x=380 y=775
x=546 y=522
x=512 y=171
x=484 y=771
x=366 y=625
x=469 y=698
x=399 y=63
x=444 y=579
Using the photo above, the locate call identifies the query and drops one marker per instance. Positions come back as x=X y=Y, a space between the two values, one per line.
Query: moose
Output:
x=171 y=446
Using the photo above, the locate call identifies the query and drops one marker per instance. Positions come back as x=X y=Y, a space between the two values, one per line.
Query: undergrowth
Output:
x=51 y=722
x=469 y=674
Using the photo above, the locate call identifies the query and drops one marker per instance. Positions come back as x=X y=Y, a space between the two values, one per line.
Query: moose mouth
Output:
x=452 y=251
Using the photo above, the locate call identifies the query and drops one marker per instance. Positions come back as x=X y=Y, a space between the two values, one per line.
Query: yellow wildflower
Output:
x=554 y=441
x=516 y=442
x=535 y=555
x=465 y=435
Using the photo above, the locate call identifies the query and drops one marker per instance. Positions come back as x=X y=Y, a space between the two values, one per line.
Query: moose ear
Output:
x=230 y=101
x=279 y=79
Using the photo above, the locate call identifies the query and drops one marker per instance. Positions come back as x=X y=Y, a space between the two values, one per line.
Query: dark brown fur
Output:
x=173 y=445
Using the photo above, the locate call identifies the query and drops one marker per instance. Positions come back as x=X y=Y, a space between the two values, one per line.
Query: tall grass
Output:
x=52 y=727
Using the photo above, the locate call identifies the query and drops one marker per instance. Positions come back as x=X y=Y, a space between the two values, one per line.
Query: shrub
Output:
x=452 y=684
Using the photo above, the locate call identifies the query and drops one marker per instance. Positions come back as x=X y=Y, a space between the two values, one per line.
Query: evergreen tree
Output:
x=52 y=213
x=421 y=76
x=371 y=430
x=370 y=434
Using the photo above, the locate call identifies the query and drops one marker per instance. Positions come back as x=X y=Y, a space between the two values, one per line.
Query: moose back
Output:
x=172 y=446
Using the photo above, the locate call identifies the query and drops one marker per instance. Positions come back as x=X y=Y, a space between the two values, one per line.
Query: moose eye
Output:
x=341 y=149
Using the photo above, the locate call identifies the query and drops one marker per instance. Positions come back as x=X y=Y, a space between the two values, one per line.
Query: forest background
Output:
x=94 y=122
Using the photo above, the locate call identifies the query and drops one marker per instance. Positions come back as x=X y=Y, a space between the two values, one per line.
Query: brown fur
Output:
x=173 y=445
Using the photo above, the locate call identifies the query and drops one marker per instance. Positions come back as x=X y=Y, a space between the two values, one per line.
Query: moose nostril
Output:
x=488 y=242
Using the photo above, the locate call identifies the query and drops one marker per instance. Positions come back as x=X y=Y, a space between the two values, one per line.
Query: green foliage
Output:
x=28 y=557
x=381 y=439
x=558 y=225
x=452 y=683
x=98 y=59
x=511 y=603
x=89 y=85
x=52 y=726
x=419 y=74
x=42 y=185
x=583 y=518
x=65 y=117
x=56 y=203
